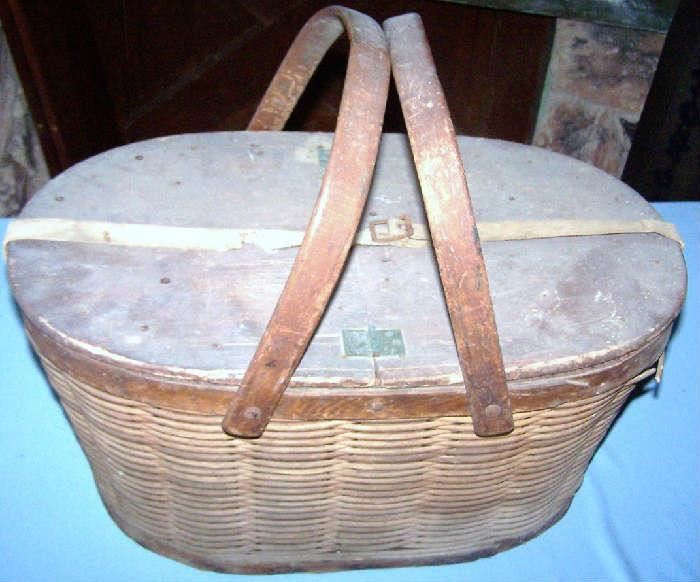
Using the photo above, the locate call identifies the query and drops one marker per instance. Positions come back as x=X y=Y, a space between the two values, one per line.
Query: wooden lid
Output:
x=561 y=304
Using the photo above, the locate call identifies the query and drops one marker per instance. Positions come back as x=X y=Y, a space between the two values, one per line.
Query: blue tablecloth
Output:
x=636 y=516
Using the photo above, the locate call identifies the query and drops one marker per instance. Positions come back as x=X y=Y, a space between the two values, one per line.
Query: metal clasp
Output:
x=391 y=229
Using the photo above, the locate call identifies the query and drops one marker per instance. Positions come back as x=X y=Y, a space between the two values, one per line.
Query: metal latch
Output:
x=391 y=229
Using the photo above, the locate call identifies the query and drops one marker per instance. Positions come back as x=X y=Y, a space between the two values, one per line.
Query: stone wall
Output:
x=597 y=82
x=22 y=166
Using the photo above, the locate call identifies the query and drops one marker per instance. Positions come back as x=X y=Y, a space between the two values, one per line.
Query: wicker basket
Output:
x=368 y=449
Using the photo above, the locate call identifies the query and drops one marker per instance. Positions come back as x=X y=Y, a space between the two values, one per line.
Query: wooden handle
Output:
x=336 y=215
x=452 y=224
x=367 y=44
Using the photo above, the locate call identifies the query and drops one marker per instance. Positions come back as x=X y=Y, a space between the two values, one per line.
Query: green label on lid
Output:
x=373 y=342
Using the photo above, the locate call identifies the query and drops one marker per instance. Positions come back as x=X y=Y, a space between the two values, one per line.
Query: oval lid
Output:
x=561 y=304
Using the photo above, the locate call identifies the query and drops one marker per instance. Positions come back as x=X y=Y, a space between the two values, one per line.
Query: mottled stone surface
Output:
x=598 y=80
x=588 y=132
x=22 y=166
x=607 y=65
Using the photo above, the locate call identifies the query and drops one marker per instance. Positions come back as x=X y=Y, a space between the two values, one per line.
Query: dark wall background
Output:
x=664 y=161
x=102 y=73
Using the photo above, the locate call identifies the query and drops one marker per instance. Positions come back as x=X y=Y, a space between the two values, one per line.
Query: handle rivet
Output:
x=492 y=410
x=252 y=413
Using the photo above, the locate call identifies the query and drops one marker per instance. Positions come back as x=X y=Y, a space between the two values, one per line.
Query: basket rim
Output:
x=191 y=394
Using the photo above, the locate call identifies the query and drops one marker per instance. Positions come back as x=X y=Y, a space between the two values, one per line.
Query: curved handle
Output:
x=338 y=208
x=367 y=44
x=452 y=224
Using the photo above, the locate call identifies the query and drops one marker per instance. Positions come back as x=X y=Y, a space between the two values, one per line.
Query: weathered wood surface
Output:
x=337 y=211
x=560 y=304
x=448 y=207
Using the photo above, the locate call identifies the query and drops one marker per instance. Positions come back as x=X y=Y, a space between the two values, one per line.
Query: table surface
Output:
x=636 y=516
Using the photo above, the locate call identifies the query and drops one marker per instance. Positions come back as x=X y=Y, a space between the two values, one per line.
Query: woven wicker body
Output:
x=146 y=277
x=331 y=493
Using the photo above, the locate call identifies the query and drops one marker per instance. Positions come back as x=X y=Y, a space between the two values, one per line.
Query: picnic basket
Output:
x=395 y=407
